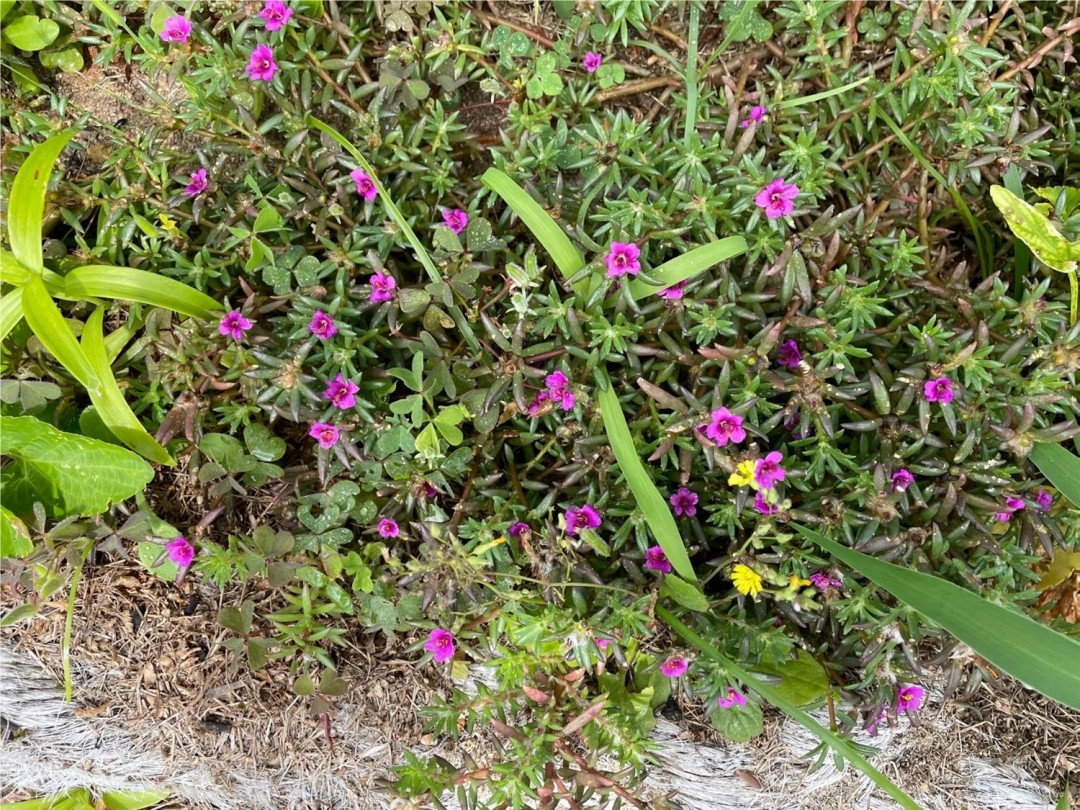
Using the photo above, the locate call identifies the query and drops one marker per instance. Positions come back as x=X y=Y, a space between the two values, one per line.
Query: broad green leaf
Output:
x=30 y=33
x=27 y=202
x=685 y=594
x=802 y=681
x=55 y=335
x=11 y=272
x=14 y=536
x=739 y=724
x=1061 y=568
x=149 y=553
x=688 y=265
x=1037 y=231
x=267 y=220
x=1035 y=655
x=1061 y=468
x=11 y=311
x=263 y=444
x=651 y=502
x=69 y=60
x=68 y=473
x=1052 y=193
x=126 y=284
x=134 y=800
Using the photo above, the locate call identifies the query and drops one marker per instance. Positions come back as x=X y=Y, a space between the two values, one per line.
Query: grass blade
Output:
x=55 y=335
x=1061 y=468
x=27 y=202
x=1021 y=254
x=653 y=506
x=830 y=738
x=1035 y=655
x=795 y=102
x=688 y=265
x=126 y=284
x=11 y=311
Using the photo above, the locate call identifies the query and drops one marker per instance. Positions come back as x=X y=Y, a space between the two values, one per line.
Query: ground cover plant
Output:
x=639 y=351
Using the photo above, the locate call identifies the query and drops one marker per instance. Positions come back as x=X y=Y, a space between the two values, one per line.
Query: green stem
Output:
x=1074 y=298
x=691 y=76
x=69 y=622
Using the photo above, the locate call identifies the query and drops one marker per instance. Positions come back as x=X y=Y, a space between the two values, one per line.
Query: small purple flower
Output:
x=1044 y=500
x=276 y=14
x=382 y=287
x=430 y=491
x=322 y=325
x=622 y=258
x=234 y=325
x=788 y=354
x=762 y=505
x=674 y=293
x=325 y=434
x=181 y=551
x=821 y=581
x=909 y=698
x=674 y=667
x=656 y=560
x=587 y=517
x=938 y=390
x=1014 y=504
x=1002 y=517
x=725 y=427
x=685 y=502
x=538 y=402
x=734 y=698
x=365 y=186
x=872 y=726
x=901 y=480
x=177 y=29
x=197 y=184
x=455 y=219
x=558 y=389
x=768 y=470
x=602 y=643
x=261 y=66
x=757 y=115
x=518 y=529
x=592 y=61
x=388 y=528
x=342 y=392
x=777 y=198
x=440 y=644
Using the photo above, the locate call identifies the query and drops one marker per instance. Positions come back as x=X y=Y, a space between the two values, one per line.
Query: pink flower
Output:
x=325 y=434
x=538 y=401
x=938 y=390
x=768 y=470
x=234 y=325
x=602 y=643
x=441 y=645
x=1014 y=504
x=685 y=502
x=1044 y=500
x=901 y=480
x=734 y=698
x=322 y=325
x=342 y=392
x=592 y=61
x=382 y=287
x=763 y=506
x=674 y=293
x=587 y=517
x=388 y=528
x=197 y=184
x=365 y=186
x=558 y=389
x=725 y=427
x=519 y=529
x=909 y=698
x=1002 y=517
x=788 y=354
x=622 y=258
x=261 y=66
x=177 y=29
x=455 y=219
x=181 y=552
x=276 y=14
x=777 y=198
x=821 y=581
x=656 y=560
x=674 y=667
x=757 y=115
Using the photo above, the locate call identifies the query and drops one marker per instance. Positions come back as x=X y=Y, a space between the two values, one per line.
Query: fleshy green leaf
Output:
x=1036 y=230
x=27 y=203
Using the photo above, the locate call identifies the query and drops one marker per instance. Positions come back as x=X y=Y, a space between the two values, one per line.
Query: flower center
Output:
x=777 y=200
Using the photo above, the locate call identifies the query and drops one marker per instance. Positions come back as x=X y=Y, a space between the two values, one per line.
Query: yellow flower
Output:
x=743 y=475
x=747 y=581
x=798 y=582
x=166 y=222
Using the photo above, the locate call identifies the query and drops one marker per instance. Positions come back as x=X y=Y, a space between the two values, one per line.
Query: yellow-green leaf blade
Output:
x=1061 y=468
x=11 y=311
x=688 y=265
x=127 y=284
x=1036 y=231
x=55 y=335
x=14 y=537
x=27 y=203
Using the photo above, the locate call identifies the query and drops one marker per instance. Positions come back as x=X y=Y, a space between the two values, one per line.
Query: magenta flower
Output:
x=768 y=470
x=325 y=434
x=674 y=667
x=734 y=698
x=821 y=581
x=674 y=293
x=388 y=528
x=656 y=560
x=788 y=354
x=602 y=643
x=322 y=325
x=538 y=402
x=177 y=29
x=430 y=491
x=261 y=66
x=382 y=287
x=276 y=14
x=777 y=198
x=622 y=258
x=685 y=502
x=181 y=551
x=901 y=480
x=342 y=392
x=938 y=390
x=197 y=184
x=518 y=529
x=592 y=61
x=725 y=427
x=587 y=517
x=1002 y=517
x=365 y=186
x=762 y=505
x=234 y=325
x=1044 y=500
x=757 y=115
x=909 y=698
x=1014 y=504
x=455 y=219
x=558 y=389
x=440 y=644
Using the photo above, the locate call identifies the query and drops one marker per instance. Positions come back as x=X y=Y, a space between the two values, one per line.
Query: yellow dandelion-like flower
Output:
x=167 y=222
x=744 y=475
x=798 y=582
x=746 y=580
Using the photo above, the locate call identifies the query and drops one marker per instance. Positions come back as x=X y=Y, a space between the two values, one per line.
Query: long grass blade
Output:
x=55 y=335
x=1061 y=468
x=27 y=202
x=1035 y=655
x=127 y=284
x=795 y=102
x=11 y=311
x=688 y=265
